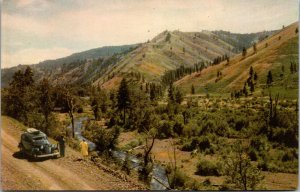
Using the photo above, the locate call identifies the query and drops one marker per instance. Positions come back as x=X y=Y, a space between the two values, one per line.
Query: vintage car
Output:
x=34 y=143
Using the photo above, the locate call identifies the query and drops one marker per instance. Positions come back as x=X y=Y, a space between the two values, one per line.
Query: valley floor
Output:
x=163 y=153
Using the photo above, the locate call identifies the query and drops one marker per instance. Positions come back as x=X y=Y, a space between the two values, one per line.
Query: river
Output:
x=159 y=180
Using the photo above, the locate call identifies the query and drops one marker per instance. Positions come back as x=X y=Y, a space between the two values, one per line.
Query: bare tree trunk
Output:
x=72 y=122
x=70 y=103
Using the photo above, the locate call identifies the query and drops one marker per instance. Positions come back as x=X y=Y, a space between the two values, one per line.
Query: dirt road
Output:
x=68 y=173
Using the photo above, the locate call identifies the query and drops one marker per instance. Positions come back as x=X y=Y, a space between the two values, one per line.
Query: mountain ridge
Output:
x=150 y=59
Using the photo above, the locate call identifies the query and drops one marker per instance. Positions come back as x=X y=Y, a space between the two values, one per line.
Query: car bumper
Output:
x=47 y=155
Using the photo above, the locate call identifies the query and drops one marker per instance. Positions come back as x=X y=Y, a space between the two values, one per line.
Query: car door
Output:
x=26 y=142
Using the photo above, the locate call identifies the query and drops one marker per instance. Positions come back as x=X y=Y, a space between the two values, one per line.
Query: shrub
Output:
x=207 y=168
x=80 y=109
x=178 y=128
x=259 y=143
x=209 y=127
x=240 y=171
x=165 y=129
x=263 y=165
x=204 y=143
x=177 y=179
x=104 y=138
x=253 y=154
x=289 y=155
x=222 y=128
x=207 y=182
x=241 y=123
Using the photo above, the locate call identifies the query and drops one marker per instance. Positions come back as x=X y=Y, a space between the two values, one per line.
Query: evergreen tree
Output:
x=171 y=93
x=227 y=59
x=254 y=48
x=292 y=68
x=192 y=89
x=269 y=78
x=152 y=92
x=168 y=37
x=123 y=98
x=251 y=72
x=19 y=100
x=252 y=87
x=245 y=90
x=178 y=97
x=255 y=76
x=95 y=107
x=244 y=51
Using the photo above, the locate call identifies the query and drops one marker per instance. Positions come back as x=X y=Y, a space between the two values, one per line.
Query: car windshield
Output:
x=38 y=138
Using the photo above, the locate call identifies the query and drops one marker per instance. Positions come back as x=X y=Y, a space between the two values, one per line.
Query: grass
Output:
x=272 y=58
x=16 y=123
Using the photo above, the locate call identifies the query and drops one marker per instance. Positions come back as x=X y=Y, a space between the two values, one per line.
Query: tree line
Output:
x=174 y=75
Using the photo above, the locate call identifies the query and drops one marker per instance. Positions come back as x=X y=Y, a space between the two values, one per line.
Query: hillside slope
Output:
x=273 y=54
x=108 y=65
x=169 y=50
x=73 y=68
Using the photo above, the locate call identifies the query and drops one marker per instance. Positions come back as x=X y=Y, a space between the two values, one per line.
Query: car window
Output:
x=38 y=138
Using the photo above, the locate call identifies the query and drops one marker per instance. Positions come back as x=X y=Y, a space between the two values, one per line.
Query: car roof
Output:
x=34 y=134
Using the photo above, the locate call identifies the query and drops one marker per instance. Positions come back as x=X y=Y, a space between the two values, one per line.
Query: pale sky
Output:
x=36 y=30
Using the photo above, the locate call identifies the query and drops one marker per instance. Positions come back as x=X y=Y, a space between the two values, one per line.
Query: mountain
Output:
x=239 y=41
x=168 y=50
x=55 y=69
x=277 y=54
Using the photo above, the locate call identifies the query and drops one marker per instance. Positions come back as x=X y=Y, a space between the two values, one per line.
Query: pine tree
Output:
x=255 y=76
x=251 y=72
x=171 y=92
x=245 y=90
x=123 y=98
x=292 y=68
x=152 y=92
x=252 y=87
x=168 y=37
x=20 y=98
x=254 y=48
x=244 y=51
x=269 y=78
x=192 y=89
x=178 y=97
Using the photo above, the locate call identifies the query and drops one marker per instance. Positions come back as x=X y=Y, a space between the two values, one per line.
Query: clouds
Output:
x=77 y=25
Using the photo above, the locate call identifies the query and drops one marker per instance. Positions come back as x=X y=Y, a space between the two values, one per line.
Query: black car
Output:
x=35 y=144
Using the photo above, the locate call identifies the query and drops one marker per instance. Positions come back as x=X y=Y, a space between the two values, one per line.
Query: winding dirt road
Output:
x=68 y=173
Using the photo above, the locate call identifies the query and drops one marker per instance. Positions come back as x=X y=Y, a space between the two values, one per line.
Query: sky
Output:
x=37 y=30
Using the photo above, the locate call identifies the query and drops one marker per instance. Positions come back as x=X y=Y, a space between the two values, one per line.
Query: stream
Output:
x=159 y=180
